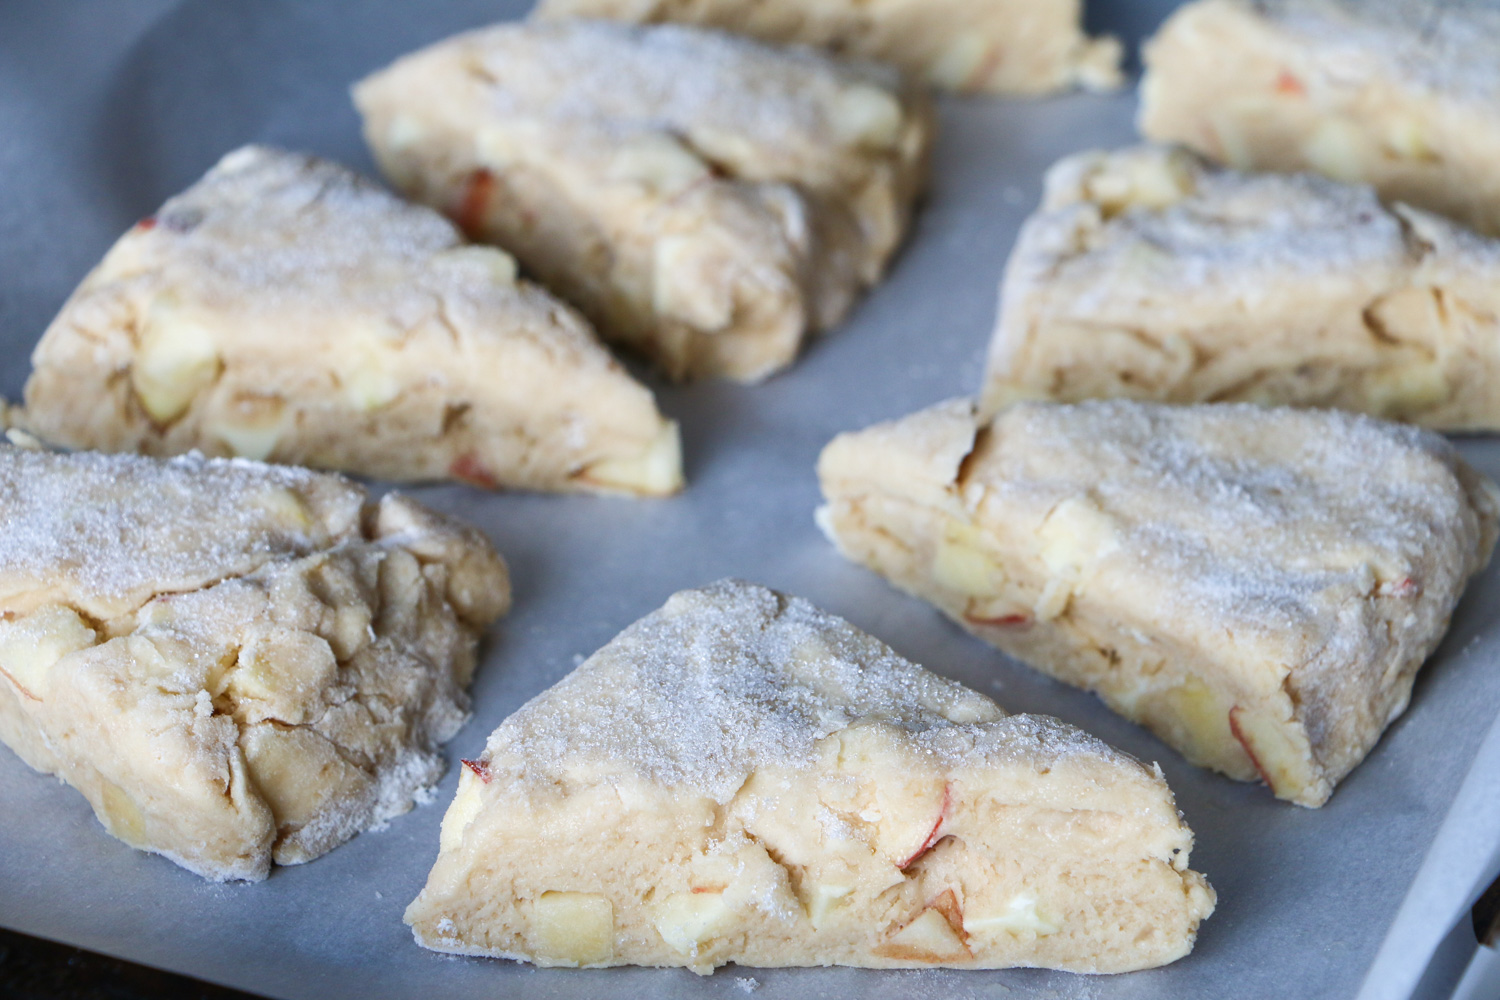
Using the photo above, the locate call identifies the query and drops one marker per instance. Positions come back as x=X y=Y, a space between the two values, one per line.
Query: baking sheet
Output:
x=107 y=108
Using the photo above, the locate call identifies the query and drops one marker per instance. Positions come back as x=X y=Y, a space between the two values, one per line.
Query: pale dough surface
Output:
x=1401 y=94
x=1148 y=273
x=235 y=663
x=706 y=199
x=740 y=777
x=995 y=46
x=284 y=308
x=1257 y=586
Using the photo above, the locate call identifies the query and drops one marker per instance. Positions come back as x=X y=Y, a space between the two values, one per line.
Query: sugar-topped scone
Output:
x=1149 y=274
x=1401 y=94
x=740 y=777
x=705 y=199
x=234 y=662
x=284 y=308
x=1256 y=586
x=1000 y=46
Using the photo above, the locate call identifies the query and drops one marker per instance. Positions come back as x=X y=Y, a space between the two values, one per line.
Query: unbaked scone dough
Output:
x=285 y=308
x=1000 y=46
x=740 y=777
x=1256 y=586
x=705 y=199
x=1149 y=274
x=1401 y=94
x=235 y=663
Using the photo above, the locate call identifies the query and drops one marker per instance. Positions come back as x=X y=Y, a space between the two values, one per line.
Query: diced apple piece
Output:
x=252 y=427
x=297 y=771
x=1407 y=389
x=928 y=938
x=962 y=63
x=688 y=920
x=31 y=646
x=1076 y=536
x=490 y=263
x=1153 y=182
x=175 y=360
x=286 y=505
x=655 y=472
x=910 y=795
x=822 y=899
x=368 y=379
x=1339 y=149
x=466 y=805
x=1406 y=138
x=1020 y=916
x=575 y=928
x=960 y=562
x=689 y=285
x=281 y=674
x=1195 y=718
x=866 y=116
x=120 y=814
x=659 y=163
x=1282 y=759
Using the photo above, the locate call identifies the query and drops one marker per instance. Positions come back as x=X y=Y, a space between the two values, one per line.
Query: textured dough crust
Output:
x=285 y=308
x=998 y=46
x=235 y=663
x=1258 y=587
x=1400 y=94
x=1149 y=274
x=705 y=199
x=740 y=777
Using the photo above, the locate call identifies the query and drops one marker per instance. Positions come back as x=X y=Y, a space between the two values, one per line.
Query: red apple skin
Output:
x=467 y=468
x=1234 y=727
x=1019 y=620
x=475 y=203
x=1287 y=83
x=480 y=768
x=933 y=837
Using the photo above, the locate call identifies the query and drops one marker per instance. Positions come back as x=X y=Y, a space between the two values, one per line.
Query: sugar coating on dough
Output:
x=741 y=777
x=1401 y=94
x=284 y=307
x=705 y=199
x=996 y=46
x=1257 y=586
x=235 y=663
x=1149 y=273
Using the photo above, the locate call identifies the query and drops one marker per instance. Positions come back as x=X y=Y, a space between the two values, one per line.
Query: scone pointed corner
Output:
x=1116 y=544
x=740 y=777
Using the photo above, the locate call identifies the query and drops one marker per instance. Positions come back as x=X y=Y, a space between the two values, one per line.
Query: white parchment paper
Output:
x=106 y=108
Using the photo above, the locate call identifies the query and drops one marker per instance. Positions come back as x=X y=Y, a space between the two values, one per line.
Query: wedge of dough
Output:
x=1401 y=94
x=996 y=46
x=740 y=777
x=1258 y=587
x=1148 y=273
x=235 y=663
x=284 y=308
x=705 y=199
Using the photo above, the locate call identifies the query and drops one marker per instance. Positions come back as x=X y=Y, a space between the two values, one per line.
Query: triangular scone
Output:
x=1256 y=586
x=1401 y=94
x=1149 y=274
x=996 y=46
x=705 y=199
x=740 y=777
x=285 y=308
x=235 y=663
